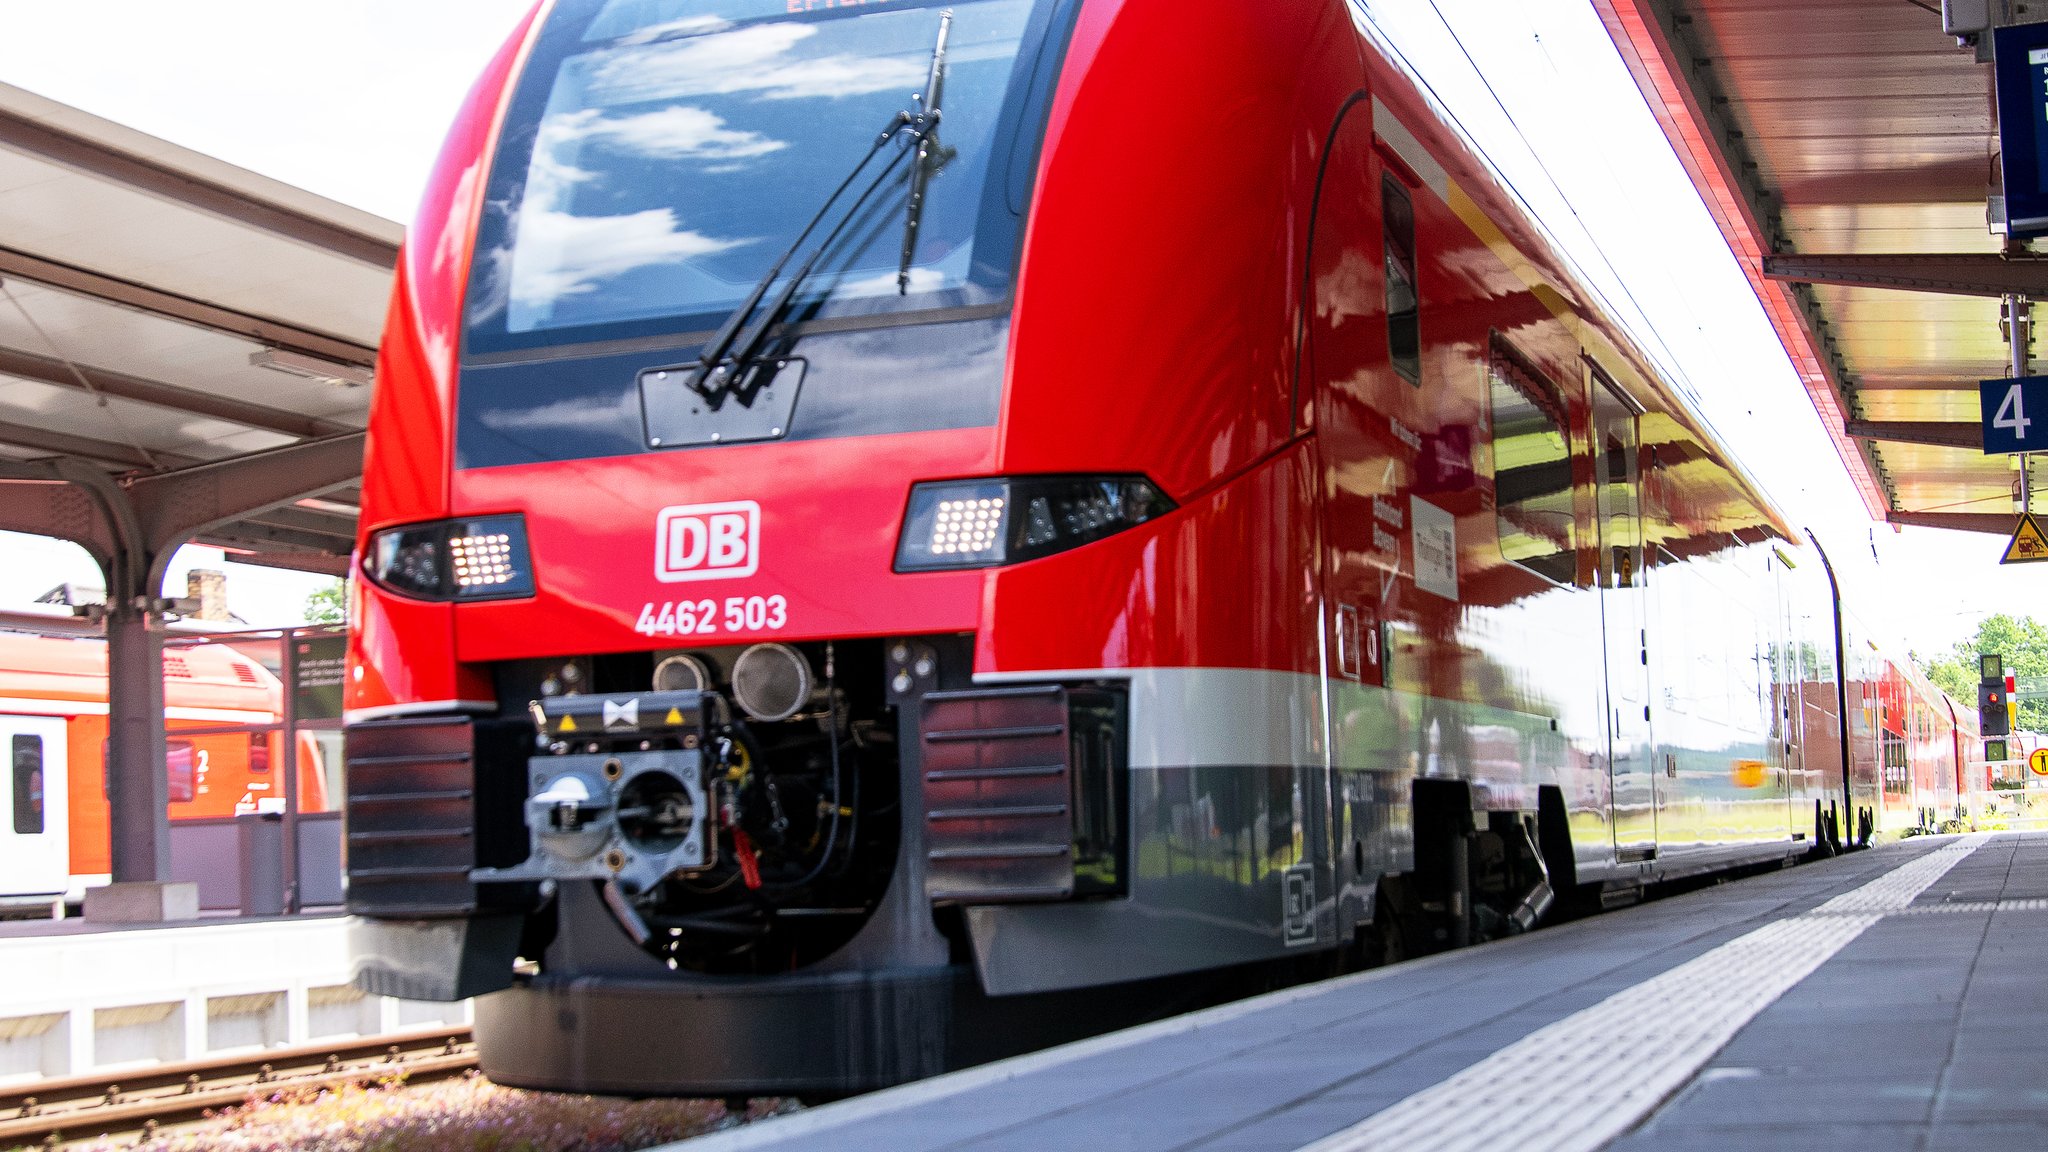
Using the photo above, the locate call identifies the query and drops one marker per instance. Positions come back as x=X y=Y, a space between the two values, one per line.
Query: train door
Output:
x=1789 y=718
x=1361 y=557
x=34 y=819
x=1618 y=495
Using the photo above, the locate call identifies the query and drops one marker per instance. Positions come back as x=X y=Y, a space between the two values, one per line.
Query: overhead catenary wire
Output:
x=1642 y=325
x=1610 y=287
x=1670 y=357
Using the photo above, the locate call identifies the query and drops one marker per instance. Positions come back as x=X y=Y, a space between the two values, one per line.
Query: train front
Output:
x=681 y=489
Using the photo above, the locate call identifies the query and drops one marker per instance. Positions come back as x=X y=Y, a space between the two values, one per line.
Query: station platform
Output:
x=1892 y=998
x=79 y=997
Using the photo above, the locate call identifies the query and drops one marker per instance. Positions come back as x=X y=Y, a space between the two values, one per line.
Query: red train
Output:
x=891 y=526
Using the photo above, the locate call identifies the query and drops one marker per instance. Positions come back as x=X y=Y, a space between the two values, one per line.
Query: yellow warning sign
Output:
x=2039 y=761
x=568 y=724
x=2029 y=543
x=674 y=719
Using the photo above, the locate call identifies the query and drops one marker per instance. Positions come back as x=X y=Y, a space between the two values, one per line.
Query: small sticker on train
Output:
x=1435 y=534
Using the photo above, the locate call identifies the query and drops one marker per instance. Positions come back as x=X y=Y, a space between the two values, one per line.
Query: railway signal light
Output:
x=1994 y=696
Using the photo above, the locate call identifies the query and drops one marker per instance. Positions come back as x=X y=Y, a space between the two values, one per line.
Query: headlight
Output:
x=485 y=558
x=985 y=523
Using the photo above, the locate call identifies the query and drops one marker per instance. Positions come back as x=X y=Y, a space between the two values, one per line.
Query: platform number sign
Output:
x=2015 y=414
x=2012 y=412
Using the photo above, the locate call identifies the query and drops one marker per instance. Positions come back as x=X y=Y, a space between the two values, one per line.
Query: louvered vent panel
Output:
x=998 y=824
x=411 y=815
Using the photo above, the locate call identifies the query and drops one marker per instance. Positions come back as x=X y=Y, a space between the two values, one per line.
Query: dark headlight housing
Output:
x=1007 y=520
x=477 y=558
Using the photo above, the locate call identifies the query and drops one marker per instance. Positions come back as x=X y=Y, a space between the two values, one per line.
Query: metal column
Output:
x=2019 y=333
x=137 y=789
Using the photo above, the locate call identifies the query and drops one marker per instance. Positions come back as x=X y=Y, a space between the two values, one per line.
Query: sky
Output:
x=350 y=100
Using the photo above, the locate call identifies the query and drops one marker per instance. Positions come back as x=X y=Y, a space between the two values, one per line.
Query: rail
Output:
x=139 y=1099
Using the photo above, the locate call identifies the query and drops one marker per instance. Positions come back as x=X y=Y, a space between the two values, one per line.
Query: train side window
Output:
x=1404 y=327
x=181 y=769
x=28 y=785
x=1532 y=470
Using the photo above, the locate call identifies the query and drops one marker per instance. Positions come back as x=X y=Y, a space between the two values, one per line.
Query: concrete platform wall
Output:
x=73 y=1001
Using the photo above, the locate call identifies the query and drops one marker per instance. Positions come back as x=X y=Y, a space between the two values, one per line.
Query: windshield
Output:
x=660 y=154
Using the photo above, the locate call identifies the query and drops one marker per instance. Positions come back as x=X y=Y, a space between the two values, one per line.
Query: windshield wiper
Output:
x=923 y=167
x=727 y=354
x=712 y=377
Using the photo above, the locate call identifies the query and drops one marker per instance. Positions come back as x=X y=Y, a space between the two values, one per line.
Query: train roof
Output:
x=59 y=670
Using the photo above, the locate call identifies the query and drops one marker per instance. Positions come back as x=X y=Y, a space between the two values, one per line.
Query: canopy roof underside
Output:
x=160 y=310
x=1824 y=131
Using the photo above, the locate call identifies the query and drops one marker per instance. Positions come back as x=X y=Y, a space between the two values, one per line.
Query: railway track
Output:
x=49 y=1112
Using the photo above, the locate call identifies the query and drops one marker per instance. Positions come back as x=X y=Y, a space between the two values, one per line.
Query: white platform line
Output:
x=1587 y=1079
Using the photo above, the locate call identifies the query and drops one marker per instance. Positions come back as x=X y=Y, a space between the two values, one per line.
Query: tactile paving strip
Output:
x=1587 y=1079
x=2031 y=905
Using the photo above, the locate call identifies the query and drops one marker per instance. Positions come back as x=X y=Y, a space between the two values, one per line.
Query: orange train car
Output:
x=53 y=724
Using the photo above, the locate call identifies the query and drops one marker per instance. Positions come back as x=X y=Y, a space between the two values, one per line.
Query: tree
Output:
x=2022 y=640
x=328 y=604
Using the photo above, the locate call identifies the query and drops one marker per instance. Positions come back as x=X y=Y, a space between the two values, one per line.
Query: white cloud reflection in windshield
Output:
x=760 y=59
x=670 y=163
x=560 y=253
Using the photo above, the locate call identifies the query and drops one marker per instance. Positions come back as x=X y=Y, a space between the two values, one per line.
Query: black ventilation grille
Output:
x=422 y=813
x=998 y=820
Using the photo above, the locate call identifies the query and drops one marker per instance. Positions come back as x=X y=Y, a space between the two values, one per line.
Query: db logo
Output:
x=707 y=541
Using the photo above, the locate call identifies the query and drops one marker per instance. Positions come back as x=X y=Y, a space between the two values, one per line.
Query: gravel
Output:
x=470 y=1114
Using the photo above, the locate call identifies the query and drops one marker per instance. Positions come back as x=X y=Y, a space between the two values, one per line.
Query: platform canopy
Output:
x=185 y=355
x=199 y=334
x=1846 y=149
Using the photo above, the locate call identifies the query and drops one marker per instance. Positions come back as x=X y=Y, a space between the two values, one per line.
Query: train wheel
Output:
x=1823 y=838
x=1384 y=941
x=1382 y=944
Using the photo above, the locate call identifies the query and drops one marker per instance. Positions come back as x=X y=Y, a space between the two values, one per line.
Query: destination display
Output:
x=2022 y=71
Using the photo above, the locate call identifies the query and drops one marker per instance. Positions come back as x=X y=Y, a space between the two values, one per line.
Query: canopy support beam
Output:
x=1994 y=523
x=1953 y=273
x=1939 y=433
x=132 y=528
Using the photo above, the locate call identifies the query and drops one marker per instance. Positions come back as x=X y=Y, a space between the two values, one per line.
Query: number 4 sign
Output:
x=2015 y=414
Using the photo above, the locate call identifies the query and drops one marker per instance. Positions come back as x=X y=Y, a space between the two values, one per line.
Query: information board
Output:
x=318 y=665
x=2021 y=63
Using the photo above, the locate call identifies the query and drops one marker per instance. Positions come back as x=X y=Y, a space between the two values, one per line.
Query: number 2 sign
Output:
x=2015 y=414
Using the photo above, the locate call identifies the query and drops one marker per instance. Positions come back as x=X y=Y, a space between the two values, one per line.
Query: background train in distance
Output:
x=1149 y=528
x=53 y=725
